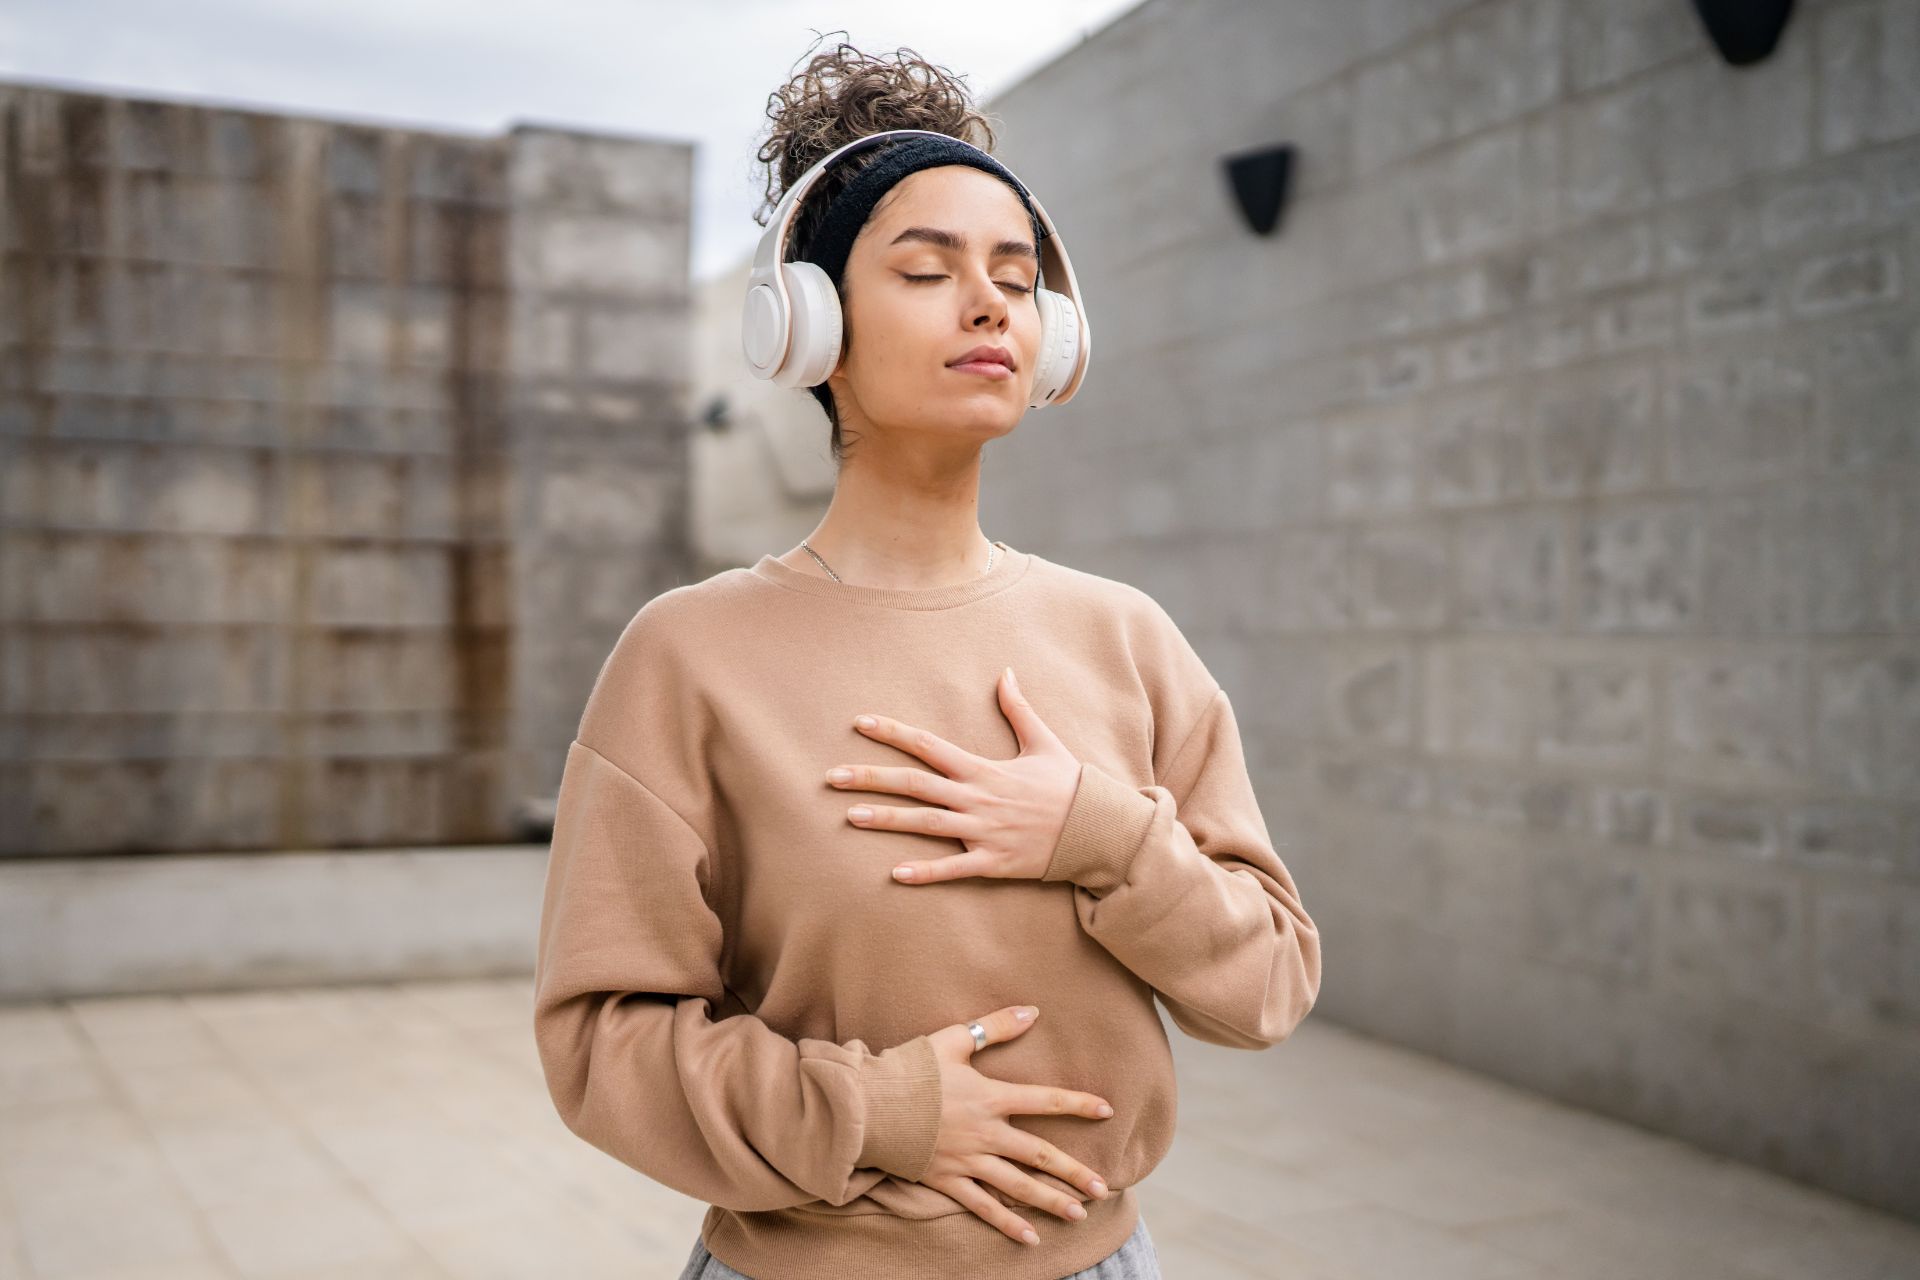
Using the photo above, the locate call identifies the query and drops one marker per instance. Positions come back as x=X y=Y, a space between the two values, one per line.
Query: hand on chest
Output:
x=924 y=787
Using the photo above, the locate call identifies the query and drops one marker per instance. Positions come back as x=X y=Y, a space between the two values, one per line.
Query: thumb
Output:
x=1028 y=728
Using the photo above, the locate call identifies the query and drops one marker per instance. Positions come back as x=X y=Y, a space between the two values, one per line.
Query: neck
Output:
x=896 y=525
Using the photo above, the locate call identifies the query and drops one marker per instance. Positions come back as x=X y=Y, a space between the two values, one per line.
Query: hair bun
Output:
x=843 y=94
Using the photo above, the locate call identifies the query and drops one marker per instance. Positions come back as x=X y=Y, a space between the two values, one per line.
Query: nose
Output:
x=993 y=309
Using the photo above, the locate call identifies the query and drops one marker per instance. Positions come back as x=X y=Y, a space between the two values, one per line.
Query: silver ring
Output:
x=979 y=1035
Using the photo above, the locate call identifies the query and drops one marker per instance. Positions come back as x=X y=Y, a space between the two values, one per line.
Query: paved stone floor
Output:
x=404 y=1130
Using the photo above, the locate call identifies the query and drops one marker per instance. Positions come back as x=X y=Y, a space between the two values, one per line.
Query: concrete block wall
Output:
x=329 y=454
x=1546 y=495
x=599 y=271
x=760 y=455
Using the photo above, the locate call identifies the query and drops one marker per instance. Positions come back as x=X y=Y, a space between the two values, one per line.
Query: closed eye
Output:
x=1017 y=288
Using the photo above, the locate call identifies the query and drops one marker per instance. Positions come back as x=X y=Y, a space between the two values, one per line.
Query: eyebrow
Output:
x=954 y=240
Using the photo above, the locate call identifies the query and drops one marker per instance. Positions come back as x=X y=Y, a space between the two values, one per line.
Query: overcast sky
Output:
x=688 y=70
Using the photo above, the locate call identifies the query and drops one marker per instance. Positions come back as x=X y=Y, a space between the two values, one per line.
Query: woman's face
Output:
x=945 y=263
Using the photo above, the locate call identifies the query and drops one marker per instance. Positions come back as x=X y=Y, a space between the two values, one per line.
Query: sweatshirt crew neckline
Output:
x=1008 y=568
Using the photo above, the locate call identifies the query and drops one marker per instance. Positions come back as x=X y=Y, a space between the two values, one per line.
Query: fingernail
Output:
x=1076 y=1212
x=865 y=722
x=1023 y=1014
x=1029 y=1237
x=903 y=873
x=840 y=775
x=1099 y=1187
x=1104 y=1109
x=859 y=813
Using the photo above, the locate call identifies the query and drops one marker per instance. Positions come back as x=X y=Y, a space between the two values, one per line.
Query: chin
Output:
x=983 y=420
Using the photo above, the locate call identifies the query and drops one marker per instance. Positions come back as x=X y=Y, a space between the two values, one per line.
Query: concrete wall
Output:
x=599 y=271
x=1546 y=493
x=762 y=470
x=143 y=924
x=332 y=458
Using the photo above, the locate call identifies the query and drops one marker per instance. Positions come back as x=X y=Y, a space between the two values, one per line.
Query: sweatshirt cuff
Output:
x=1105 y=827
x=900 y=1092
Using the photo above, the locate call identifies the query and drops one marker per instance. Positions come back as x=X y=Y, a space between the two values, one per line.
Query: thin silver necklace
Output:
x=992 y=546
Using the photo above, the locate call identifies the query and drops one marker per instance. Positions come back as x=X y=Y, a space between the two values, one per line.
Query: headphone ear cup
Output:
x=1059 y=346
x=817 y=326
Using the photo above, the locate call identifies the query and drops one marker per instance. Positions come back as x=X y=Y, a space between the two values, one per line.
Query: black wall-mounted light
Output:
x=1259 y=180
x=1744 y=31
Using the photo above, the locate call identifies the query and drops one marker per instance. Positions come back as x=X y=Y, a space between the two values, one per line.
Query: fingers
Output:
x=929 y=746
x=927 y=820
x=900 y=780
x=1046 y=1100
x=1026 y=1188
x=1048 y=1180
x=959 y=866
x=1017 y=1144
x=1004 y=1024
x=968 y=1193
x=956 y=1042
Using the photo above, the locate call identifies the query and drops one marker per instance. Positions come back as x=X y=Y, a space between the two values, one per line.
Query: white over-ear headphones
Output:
x=791 y=329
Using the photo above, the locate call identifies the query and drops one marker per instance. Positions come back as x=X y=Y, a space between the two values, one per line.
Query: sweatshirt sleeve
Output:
x=627 y=977
x=1179 y=881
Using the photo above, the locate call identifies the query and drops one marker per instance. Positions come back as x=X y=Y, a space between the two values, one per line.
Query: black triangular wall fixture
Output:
x=1744 y=31
x=1259 y=180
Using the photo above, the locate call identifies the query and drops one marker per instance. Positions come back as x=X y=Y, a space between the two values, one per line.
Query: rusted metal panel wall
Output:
x=332 y=456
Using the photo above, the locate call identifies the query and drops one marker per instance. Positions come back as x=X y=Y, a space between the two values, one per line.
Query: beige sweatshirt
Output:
x=733 y=994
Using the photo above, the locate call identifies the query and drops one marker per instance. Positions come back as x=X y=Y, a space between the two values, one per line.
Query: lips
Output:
x=984 y=355
x=986 y=368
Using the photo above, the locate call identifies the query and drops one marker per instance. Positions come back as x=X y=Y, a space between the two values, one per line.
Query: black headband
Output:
x=848 y=211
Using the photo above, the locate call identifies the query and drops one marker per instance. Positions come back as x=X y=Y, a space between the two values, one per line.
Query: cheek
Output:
x=1026 y=331
x=916 y=331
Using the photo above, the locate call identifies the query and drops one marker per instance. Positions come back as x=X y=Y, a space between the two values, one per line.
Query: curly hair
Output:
x=840 y=95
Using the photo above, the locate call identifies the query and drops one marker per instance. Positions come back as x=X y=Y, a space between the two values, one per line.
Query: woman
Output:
x=810 y=807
